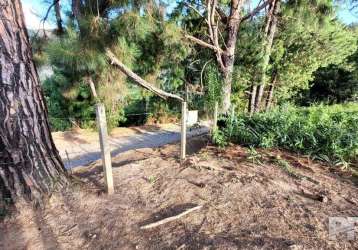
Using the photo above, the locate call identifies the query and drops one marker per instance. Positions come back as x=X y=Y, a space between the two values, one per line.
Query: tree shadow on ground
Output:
x=93 y=173
x=194 y=238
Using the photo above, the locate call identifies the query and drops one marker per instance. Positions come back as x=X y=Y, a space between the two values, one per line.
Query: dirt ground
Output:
x=249 y=201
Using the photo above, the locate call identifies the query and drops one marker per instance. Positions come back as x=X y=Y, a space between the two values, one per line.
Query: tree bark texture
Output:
x=270 y=30
x=228 y=57
x=30 y=165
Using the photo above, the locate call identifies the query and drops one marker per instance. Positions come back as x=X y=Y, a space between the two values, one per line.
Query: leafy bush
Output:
x=325 y=132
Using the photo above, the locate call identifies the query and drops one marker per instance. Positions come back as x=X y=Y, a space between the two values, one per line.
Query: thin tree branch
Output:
x=49 y=9
x=196 y=10
x=43 y=20
x=92 y=86
x=256 y=10
x=221 y=13
x=204 y=44
x=137 y=79
x=202 y=73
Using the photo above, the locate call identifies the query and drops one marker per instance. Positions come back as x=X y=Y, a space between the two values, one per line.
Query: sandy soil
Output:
x=248 y=203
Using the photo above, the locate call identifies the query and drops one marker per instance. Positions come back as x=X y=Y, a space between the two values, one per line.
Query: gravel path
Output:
x=77 y=149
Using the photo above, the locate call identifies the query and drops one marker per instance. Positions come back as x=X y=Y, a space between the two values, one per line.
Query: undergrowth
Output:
x=328 y=133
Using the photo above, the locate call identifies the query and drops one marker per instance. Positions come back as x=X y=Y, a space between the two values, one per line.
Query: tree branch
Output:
x=137 y=79
x=256 y=10
x=196 y=10
x=43 y=20
x=92 y=86
x=223 y=16
x=204 y=44
x=48 y=10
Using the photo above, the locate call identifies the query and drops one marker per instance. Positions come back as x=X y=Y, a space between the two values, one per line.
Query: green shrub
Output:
x=325 y=132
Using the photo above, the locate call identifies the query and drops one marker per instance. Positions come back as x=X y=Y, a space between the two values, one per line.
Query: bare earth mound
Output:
x=246 y=204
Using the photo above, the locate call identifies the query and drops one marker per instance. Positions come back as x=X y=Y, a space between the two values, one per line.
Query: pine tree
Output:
x=30 y=166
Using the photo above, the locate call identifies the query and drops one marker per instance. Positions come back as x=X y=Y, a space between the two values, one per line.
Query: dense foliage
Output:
x=335 y=83
x=313 y=59
x=295 y=52
x=324 y=132
x=143 y=41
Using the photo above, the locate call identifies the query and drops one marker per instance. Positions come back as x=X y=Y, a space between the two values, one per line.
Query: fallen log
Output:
x=169 y=219
x=138 y=80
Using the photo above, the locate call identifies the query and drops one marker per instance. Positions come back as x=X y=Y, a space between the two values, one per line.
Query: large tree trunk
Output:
x=30 y=166
x=270 y=30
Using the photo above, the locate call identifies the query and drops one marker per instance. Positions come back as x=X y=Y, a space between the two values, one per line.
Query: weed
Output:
x=219 y=138
x=254 y=156
x=152 y=179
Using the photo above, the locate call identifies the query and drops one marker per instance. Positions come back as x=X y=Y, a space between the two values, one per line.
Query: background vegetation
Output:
x=312 y=62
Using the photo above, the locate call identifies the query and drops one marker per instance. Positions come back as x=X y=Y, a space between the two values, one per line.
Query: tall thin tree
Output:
x=30 y=165
x=257 y=92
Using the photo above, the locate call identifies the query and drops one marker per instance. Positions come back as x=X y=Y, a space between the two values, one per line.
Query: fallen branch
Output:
x=137 y=79
x=169 y=219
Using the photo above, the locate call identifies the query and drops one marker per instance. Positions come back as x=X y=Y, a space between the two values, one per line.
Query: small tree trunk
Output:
x=226 y=92
x=30 y=165
x=252 y=99
x=75 y=6
x=259 y=94
x=270 y=30
x=58 y=17
x=270 y=94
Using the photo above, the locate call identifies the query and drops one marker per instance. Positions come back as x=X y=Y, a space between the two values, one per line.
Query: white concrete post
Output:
x=183 y=131
x=105 y=149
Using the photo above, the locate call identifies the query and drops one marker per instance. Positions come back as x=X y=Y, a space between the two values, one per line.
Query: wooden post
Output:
x=183 y=131
x=216 y=110
x=105 y=149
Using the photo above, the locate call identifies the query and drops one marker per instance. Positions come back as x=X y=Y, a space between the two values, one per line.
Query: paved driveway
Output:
x=78 y=148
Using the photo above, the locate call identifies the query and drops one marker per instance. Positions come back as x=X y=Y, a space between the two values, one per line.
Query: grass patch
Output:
x=328 y=133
